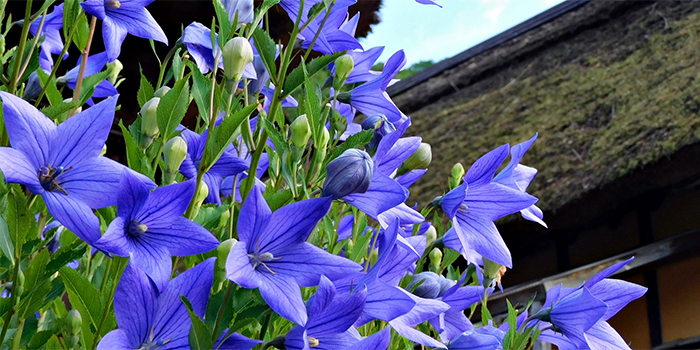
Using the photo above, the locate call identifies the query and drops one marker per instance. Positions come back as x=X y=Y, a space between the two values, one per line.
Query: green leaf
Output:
x=200 y=335
x=19 y=220
x=84 y=297
x=354 y=141
x=267 y=49
x=8 y=250
x=53 y=343
x=279 y=199
x=80 y=37
x=89 y=84
x=172 y=108
x=298 y=76
x=135 y=158
x=62 y=257
x=224 y=134
x=201 y=91
x=41 y=338
x=55 y=111
x=313 y=112
x=146 y=91
x=224 y=23
x=52 y=93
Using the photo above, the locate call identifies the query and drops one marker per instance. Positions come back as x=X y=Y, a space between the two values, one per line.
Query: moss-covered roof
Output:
x=598 y=118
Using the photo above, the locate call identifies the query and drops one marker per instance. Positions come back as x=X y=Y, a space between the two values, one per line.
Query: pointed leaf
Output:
x=84 y=297
x=200 y=335
x=8 y=250
x=267 y=49
x=297 y=76
x=145 y=91
x=172 y=108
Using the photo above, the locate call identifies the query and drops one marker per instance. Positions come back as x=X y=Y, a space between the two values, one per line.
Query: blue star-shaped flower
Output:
x=63 y=163
x=120 y=17
x=273 y=254
x=150 y=227
x=53 y=22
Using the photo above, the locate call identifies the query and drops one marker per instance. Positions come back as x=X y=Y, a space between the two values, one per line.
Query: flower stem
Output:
x=83 y=63
x=18 y=335
x=20 y=48
x=34 y=42
x=63 y=53
x=220 y=316
x=318 y=32
x=165 y=64
x=108 y=304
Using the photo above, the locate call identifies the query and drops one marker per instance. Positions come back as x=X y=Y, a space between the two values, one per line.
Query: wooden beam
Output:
x=652 y=254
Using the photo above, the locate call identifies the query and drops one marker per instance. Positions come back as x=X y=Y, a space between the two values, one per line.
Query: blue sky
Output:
x=432 y=33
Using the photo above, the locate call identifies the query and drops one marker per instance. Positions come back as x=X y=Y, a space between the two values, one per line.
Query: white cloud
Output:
x=494 y=14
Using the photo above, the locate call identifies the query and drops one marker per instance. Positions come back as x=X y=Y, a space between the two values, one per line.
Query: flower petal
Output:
x=292 y=224
x=113 y=35
x=494 y=201
x=115 y=239
x=135 y=304
x=166 y=203
x=283 y=296
x=29 y=130
x=181 y=236
x=137 y=21
x=376 y=341
x=239 y=269
x=305 y=263
x=616 y=294
x=603 y=337
x=383 y=194
x=484 y=169
x=154 y=261
x=172 y=319
x=74 y=215
x=132 y=195
x=16 y=168
x=482 y=236
x=253 y=218
x=116 y=340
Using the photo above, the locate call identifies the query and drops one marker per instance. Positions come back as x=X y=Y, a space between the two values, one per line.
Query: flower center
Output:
x=48 y=178
x=136 y=229
x=261 y=259
x=313 y=342
x=113 y=4
x=153 y=345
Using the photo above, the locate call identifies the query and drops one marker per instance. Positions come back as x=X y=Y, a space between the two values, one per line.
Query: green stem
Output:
x=20 y=49
x=318 y=32
x=265 y=325
x=105 y=276
x=170 y=54
x=108 y=305
x=212 y=121
x=83 y=63
x=34 y=42
x=13 y=295
x=220 y=316
x=18 y=336
x=63 y=53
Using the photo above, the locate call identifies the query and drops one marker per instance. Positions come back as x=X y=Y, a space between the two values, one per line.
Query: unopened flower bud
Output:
x=72 y=328
x=430 y=235
x=223 y=250
x=457 y=175
x=237 y=54
x=202 y=192
x=339 y=123
x=33 y=87
x=494 y=271
x=149 y=117
x=324 y=139
x=161 y=92
x=115 y=67
x=174 y=153
x=420 y=159
x=2 y=43
x=435 y=259
x=381 y=126
x=373 y=256
x=349 y=246
x=428 y=285
x=350 y=173
x=343 y=67
x=301 y=132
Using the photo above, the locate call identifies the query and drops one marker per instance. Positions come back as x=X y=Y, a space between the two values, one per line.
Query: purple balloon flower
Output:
x=363 y=62
x=94 y=65
x=371 y=97
x=244 y=8
x=568 y=332
x=477 y=203
x=518 y=176
x=51 y=30
x=273 y=255
x=228 y=165
x=120 y=17
x=337 y=34
x=63 y=163
x=331 y=317
x=150 y=227
x=197 y=40
x=148 y=319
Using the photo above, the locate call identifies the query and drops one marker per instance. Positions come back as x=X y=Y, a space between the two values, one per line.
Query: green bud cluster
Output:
x=343 y=67
x=174 y=153
x=72 y=326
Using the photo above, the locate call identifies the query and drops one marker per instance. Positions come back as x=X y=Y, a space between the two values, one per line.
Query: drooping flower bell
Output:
x=350 y=173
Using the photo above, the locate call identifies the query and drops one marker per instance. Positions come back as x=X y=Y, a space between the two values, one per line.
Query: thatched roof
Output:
x=612 y=87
